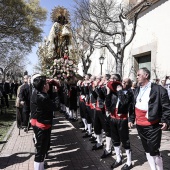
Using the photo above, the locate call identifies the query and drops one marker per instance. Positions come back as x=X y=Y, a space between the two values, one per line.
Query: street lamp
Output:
x=101 y=60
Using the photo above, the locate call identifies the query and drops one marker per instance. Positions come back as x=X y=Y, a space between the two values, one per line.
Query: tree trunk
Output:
x=85 y=70
x=119 y=65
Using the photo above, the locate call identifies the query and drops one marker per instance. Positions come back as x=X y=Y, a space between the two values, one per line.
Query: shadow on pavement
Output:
x=14 y=159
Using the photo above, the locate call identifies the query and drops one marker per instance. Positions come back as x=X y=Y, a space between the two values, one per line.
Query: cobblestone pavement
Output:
x=70 y=151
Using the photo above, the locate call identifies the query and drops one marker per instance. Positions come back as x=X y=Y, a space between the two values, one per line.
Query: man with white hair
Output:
x=24 y=96
x=152 y=115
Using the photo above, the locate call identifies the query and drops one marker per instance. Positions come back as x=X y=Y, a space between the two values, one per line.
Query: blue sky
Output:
x=49 y=5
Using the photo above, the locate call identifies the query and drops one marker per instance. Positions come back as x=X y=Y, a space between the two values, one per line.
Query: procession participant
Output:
x=92 y=104
x=110 y=101
x=33 y=107
x=119 y=123
x=152 y=114
x=99 y=112
x=42 y=111
x=73 y=99
x=87 y=102
x=24 y=96
x=82 y=105
x=79 y=83
x=66 y=98
x=108 y=84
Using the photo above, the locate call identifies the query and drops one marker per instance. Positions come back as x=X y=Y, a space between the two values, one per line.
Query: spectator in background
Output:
x=134 y=86
x=16 y=85
x=5 y=89
x=11 y=85
x=166 y=84
x=24 y=96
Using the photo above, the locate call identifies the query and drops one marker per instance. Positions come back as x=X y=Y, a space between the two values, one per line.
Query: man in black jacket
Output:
x=42 y=114
x=152 y=115
x=24 y=96
x=121 y=104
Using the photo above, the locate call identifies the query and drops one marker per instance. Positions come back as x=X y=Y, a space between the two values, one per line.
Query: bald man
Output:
x=119 y=122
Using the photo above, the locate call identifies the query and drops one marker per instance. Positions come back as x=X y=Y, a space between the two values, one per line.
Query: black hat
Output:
x=39 y=82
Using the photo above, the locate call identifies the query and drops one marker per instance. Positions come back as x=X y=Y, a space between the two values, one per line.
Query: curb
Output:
x=7 y=135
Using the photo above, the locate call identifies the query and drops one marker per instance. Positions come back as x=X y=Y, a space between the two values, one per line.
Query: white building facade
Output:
x=149 y=48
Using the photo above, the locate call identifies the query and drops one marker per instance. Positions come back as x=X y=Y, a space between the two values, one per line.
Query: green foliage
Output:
x=20 y=25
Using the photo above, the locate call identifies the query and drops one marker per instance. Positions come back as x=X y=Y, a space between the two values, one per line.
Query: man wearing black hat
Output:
x=42 y=119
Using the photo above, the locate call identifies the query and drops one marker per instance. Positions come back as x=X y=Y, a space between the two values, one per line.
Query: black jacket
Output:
x=158 y=105
x=99 y=94
x=4 y=88
x=25 y=93
x=44 y=108
x=125 y=102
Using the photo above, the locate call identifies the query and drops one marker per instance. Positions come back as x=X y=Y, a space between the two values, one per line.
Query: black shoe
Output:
x=81 y=122
x=84 y=130
x=106 y=154
x=81 y=125
x=46 y=165
x=74 y=120
x=126 y=167
x=116 y=164
x=87 y=135
x=26 y=130
x=94 y=148
x=92 y=139
x=70 y=119
x=66 y=116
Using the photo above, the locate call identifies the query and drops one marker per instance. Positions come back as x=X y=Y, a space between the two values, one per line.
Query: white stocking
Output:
x=129 y=159
x=108 y=144
x=89 y=128
x=98 y=139
x=85 y=123
x=38 y=165
x=117 y=151
x=42 y=166
x=151 y=161
x=159 y=162
x=71 y=114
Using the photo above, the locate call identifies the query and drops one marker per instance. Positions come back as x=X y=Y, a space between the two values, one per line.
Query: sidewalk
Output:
x=70 y=151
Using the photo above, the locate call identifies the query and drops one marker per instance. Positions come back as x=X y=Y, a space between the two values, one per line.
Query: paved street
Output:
x=70 y=151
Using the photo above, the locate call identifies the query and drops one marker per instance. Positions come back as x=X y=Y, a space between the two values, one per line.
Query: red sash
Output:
x=33 y=122
x=141 y=119
x=81 y=100
x=91 y=106
x=42 y=126
x=115 y=115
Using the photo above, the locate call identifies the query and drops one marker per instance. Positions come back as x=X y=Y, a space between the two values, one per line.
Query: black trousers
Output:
x=43 y=138
x=107 y=127
x=26 y=115
x=151 y=138
x=82 y=109
x=88 y=115
x=99 y=116
x=120 y=132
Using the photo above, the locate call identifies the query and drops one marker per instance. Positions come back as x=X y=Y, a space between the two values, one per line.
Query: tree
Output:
x=108 y=20
x=83 y=41
x=20 y=25
x=13 y=65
